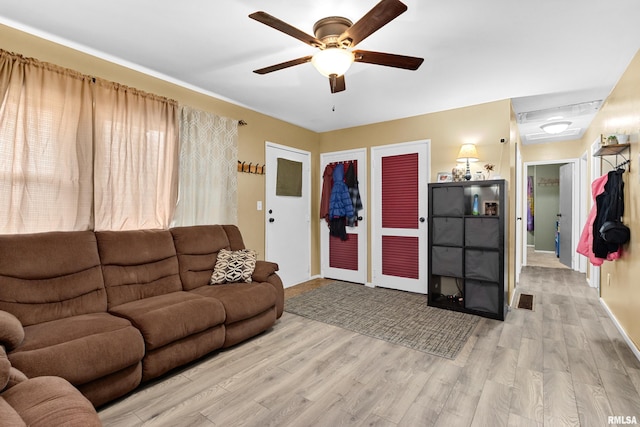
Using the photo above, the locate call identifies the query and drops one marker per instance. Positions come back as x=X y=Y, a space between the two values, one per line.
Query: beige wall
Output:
x=619 y=279
x=483 y=125
x=251 y=138
x=552 y=151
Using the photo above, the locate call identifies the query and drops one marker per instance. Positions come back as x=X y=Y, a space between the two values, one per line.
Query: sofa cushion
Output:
x=57 y=272
x=50 y=401
x=241 y=300
x=197 y=248
x=164 y=319
x=235 y=237
x=11 y=330
x=80 y=348
x=233 y=266
x=9 y=416
x=138 y=264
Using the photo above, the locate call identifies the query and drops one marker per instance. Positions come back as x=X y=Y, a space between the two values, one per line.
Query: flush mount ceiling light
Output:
x=555 y=127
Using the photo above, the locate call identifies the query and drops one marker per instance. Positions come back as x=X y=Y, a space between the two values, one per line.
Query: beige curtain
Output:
x=208 y=189
x=136 y=158
x=45 y=147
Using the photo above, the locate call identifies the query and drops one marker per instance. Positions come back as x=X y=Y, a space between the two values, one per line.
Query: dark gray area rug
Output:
x=394 y=316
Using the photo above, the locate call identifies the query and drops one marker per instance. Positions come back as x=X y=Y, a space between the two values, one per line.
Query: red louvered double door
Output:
x=399 y=204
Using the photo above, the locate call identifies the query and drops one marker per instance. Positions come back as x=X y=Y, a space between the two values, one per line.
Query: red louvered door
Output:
x=346 y=259
x=400 y=227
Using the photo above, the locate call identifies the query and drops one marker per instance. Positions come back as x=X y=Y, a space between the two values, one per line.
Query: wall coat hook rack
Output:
x=256 y=169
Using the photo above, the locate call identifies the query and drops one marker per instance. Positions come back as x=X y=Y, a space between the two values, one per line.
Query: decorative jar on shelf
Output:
x=478 y=176
x=457 y=174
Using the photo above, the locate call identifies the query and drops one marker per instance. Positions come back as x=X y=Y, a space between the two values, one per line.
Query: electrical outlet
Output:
x=259 y=205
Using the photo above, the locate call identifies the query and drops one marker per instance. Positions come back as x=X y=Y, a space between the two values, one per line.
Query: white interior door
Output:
x=346 y=259
x=399 y=213
x=288 y=217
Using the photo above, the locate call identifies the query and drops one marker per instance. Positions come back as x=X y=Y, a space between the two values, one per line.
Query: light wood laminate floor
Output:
x=543 y=259
x=562 y=364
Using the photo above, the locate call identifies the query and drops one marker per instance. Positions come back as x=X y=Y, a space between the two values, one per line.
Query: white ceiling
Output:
x=543 y=54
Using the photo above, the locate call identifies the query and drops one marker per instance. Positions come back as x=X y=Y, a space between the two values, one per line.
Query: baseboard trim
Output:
x=628 y=340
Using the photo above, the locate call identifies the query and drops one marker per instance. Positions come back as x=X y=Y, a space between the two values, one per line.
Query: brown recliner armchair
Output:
x=42 y=401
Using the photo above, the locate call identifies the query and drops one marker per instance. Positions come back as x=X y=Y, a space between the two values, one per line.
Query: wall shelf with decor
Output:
x=615 y=150
x=467 y=241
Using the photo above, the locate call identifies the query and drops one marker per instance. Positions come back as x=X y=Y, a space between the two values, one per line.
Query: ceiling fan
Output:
x=336 y=37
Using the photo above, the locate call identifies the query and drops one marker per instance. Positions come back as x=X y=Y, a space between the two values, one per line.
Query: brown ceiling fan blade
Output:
x=381 y=14
x=283 y=65
x=388 y=59
x=290 y=30
x=337 y=83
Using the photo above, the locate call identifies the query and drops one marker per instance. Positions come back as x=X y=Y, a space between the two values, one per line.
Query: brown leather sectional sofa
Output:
x=108 y=310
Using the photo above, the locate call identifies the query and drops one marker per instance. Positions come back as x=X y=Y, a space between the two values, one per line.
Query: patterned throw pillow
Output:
x=233 y=266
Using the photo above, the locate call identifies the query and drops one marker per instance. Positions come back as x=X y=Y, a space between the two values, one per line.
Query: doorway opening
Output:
x=551 y=213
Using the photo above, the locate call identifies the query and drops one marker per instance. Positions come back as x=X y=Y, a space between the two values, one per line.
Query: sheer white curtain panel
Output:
x=208 y=183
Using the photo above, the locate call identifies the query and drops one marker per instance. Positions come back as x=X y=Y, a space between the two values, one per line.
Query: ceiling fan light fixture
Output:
x=555 y=127
x=332 y=61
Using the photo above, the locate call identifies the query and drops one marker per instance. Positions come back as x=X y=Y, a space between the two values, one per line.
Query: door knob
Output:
x=422 y=219
x=359 y=218
x=271 y=220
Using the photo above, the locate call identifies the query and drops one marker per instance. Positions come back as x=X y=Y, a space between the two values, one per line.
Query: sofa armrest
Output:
x=9 y=376
x=11 y=330
x=265 y=271
x=15 y=377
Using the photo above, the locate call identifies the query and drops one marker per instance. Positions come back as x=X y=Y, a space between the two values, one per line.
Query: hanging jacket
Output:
x=351 y=179
x=610 y=207
x=585 y=244
x=340 y=202
x=327 y=186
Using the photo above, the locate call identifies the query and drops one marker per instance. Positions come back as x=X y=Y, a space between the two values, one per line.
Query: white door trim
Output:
x=582 y=205
x=596 y=171
x=520 y=219
x=576 y=184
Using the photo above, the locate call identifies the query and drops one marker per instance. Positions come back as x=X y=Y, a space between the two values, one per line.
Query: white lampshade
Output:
x=332 y=60
x=555 y=127
x=468 y=153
